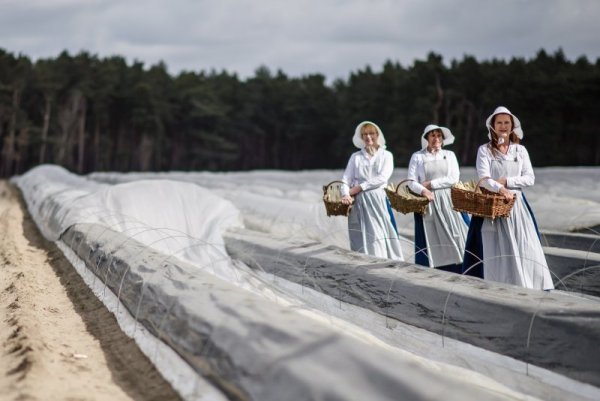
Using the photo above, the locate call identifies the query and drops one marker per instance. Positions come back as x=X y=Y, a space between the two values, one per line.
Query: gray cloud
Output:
x=332 y=37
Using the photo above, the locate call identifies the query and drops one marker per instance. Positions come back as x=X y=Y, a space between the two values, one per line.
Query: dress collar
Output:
x=378 y=151
x=509 y=152
x=439 y=152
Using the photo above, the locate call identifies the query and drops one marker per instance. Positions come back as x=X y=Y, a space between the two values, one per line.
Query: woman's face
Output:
x=434 y=140
x=502 y=125
x=369 y=136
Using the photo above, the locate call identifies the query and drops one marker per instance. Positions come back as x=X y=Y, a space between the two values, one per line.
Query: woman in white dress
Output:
x=440 y=233
x=506 y=250
x=370 y=226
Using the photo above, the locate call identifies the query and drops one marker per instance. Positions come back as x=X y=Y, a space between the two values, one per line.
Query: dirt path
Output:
x=57 y=341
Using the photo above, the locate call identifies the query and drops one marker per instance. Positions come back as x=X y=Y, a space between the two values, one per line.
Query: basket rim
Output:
x=416 y=204
x=326 y=187
x=333 y=208
x=395 y=191
x=490 y=205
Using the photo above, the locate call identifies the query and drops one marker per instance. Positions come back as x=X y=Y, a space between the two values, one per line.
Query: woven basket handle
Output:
x=485 y=178
x=402 y=182
x=327 y=186
x=479 y=183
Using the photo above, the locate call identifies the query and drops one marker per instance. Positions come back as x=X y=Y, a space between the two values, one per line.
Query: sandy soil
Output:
x=57 y=341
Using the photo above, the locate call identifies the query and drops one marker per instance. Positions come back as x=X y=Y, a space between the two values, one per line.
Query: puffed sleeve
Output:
x=413 y=167
x=453 y=173
x=483 y=166
x=527 y=178
x=348 y=176
x=384 y=174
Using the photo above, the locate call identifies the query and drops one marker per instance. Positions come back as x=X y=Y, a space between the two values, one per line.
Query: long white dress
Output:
x=444 y=229
x=369 y=225
x=512 y=251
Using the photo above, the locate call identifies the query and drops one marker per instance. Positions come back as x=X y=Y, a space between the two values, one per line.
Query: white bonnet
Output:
x=503 y=110
x=448 y=137
x=357 y=139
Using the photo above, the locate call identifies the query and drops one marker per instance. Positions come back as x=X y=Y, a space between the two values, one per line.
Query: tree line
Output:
x=96 y=114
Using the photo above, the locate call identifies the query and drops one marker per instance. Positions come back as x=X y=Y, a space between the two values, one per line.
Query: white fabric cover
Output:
x=517 y=129
x=180 y=219
x=448 y=137
x=357 y=139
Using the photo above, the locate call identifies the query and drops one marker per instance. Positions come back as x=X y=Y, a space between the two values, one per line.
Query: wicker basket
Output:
x=332 y=198
x=405 y=201
x=471 y=198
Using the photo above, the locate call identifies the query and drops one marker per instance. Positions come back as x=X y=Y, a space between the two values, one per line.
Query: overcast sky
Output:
x=332 y=37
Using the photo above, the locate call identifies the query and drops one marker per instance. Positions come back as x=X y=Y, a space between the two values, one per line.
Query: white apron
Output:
x=369 y=226
x=512 y=251
x=445 y=229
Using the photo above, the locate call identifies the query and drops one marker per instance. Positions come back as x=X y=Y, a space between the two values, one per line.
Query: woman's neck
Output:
x=371 y=150
x=503 y=148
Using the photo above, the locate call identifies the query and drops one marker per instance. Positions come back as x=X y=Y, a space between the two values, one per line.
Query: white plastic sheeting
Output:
x=254 y=349
x=563 y=199
x=155 y=210
x=180 y=219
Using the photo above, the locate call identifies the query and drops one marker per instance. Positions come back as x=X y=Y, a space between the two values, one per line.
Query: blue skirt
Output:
x=421 y=255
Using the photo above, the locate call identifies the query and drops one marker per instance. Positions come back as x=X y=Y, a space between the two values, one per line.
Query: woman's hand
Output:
x=347 y=200
x=428 y=194
x=506 y=193
x=426 y=184
x=355 y=189
x=501 y=181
